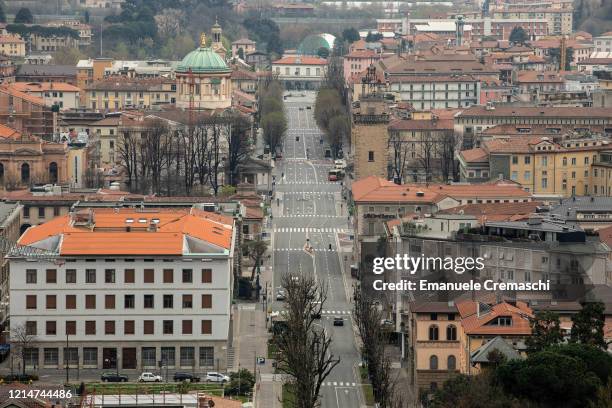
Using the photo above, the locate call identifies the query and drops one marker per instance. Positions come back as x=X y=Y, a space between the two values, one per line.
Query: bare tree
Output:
x=400 y=152
x=156 y=141
x=446 y=153
x=304 y=348
x=256 y=250
x=22 y=341
x=426 y=154
x=374 y=337
x=214 y=159
x=127 y=148
x=239 y=144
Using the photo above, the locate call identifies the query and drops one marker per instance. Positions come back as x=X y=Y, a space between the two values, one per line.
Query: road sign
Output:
x=261 y=361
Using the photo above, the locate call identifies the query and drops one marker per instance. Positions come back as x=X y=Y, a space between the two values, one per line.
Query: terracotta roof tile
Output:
x=44 y=86
x=300 y=60
x=478 y=155
x=473 y=323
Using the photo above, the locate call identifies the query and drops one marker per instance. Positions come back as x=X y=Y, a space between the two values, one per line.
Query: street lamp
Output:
x=66 y=361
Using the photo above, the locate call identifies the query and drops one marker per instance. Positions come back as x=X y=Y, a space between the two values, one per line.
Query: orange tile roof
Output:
x=11 y=38
x=472 y=323
x=478 y=155
x=496 y=211
x=8 y=132
x=109 y=235
x=44 y=86
x=376 y=189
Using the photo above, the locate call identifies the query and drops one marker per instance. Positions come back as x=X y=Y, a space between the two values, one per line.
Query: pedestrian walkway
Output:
x=309 y=229
x=308 y=182
x=303 y=249
x=339 y=384
x=309 y=215
x=336 y=312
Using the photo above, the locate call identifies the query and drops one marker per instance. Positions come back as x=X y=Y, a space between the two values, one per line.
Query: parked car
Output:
x=338 y=321
x=113 y=377
x=216 y=377
x=149 y=377
x=179 y=376
x=309 y=107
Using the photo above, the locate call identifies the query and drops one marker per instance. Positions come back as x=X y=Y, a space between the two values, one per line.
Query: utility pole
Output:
x=66 y=361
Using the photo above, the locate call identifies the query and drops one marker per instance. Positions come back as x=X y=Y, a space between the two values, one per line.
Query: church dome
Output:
x=203 y=60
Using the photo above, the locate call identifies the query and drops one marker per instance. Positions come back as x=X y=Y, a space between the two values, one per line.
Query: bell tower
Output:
x=216 y=44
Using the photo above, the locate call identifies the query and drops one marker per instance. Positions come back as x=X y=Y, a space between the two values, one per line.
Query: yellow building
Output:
x=435 y=334
x=116 y=93
x=546 y=168
x=12 y=45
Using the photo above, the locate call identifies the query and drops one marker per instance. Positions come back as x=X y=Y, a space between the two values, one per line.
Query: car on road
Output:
x=309 y=107
x=301 y=108
x=338 y=321
x=188 y=377
x=281 y=295
x=149 y=377
x=216 y=377
x=113 y=377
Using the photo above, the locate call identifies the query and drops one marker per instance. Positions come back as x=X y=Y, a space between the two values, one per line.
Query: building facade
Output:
x=156 y=286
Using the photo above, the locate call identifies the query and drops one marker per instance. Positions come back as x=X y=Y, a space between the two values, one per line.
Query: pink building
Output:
x=357 y=61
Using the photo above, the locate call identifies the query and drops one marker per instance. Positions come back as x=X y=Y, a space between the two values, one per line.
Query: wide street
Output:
x=309 y=208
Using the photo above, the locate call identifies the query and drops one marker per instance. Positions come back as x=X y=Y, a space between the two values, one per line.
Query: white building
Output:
x=64 y=95
x=300 y=71
x=603 y=43
x=126 y=287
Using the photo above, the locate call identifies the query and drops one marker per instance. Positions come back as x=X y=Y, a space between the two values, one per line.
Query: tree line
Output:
x=170 y=161
x=272 y=118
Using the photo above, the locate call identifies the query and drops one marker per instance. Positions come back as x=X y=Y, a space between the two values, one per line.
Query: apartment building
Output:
x=356 y=61
x=46 y=73
x=471 y=122
x=12 y=45
x=116 y=93
x=559 y=20
x=246 y=45
x=603 y=42
x=125 y=289
x=300 y=72
x=546 y=168
x=9 y=232
x=64 y=96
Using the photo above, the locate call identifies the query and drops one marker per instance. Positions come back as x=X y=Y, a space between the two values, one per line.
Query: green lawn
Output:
x=288 y=398
x=272 y=349
x=368 y=393
x=127 y=388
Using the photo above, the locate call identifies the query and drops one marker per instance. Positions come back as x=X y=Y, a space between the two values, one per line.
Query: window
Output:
x=586 y=173
x=71 y=327
x=207 y=356
x=90 y=356
x=129 y=276
x=109 y=276
x=514 y=159
x=26 y=212
x=206 y=275
x=149 y=276
x=168 y=326
x=51 y=302
x=51 y=357
x=168 y=301
x=206 y=326
x=527 y=159
x=51 y=275
x=70 y=275
x=109 y=301
x=31 y=275
x=544 y=183
x=586 y=160
x=544 y=160
x=149 y=357
x=187 y=301
x=451 y=363
x=433 y=332
x=433 y=362
x=168 y=356
x=90 y=276
x=148 y=327
x=51 y=328
x=90 y=327
x=371 y=156
x=168 y=275
x=70 y=301
x=56 y=211
x=148 y=301
x=30 y=301
x=527 y=175
x=573 y=161
x=514 y=176
x=128 y=327
x=129 y=301
x=433 y=316
x=90 y=301
x=109 y=327
x=187 y=327
x=30 y=328
x=72 y=355
x=187 y=276
x=451 y=333
x=187 y=356
x=206 y=301
x=41 y=212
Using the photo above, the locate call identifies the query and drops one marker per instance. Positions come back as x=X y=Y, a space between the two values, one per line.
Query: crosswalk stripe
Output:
x=310 y=229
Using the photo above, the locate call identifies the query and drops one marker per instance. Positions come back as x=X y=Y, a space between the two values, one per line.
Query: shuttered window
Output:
x=206 y=326
x=206 y=301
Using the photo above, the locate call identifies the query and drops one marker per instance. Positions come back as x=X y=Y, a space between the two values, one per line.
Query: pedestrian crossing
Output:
x=308 y=182
x=315 y=193
x=297 y=229
x=339 y=384
x=331 y=313
x=309 y=215
x=302 y=249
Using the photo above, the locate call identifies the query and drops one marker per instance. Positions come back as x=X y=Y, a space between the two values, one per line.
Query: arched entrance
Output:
x=53 y=172
x=25 y=173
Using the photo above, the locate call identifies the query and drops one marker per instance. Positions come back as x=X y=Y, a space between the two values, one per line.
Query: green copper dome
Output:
x=203 y=60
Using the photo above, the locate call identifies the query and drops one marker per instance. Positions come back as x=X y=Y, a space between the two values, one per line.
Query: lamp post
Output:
x=66 y=361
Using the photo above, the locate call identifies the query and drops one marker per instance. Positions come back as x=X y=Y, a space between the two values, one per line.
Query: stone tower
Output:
x=217 y=45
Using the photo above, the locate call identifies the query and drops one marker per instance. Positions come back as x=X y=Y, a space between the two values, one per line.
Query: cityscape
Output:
x=305 y=204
